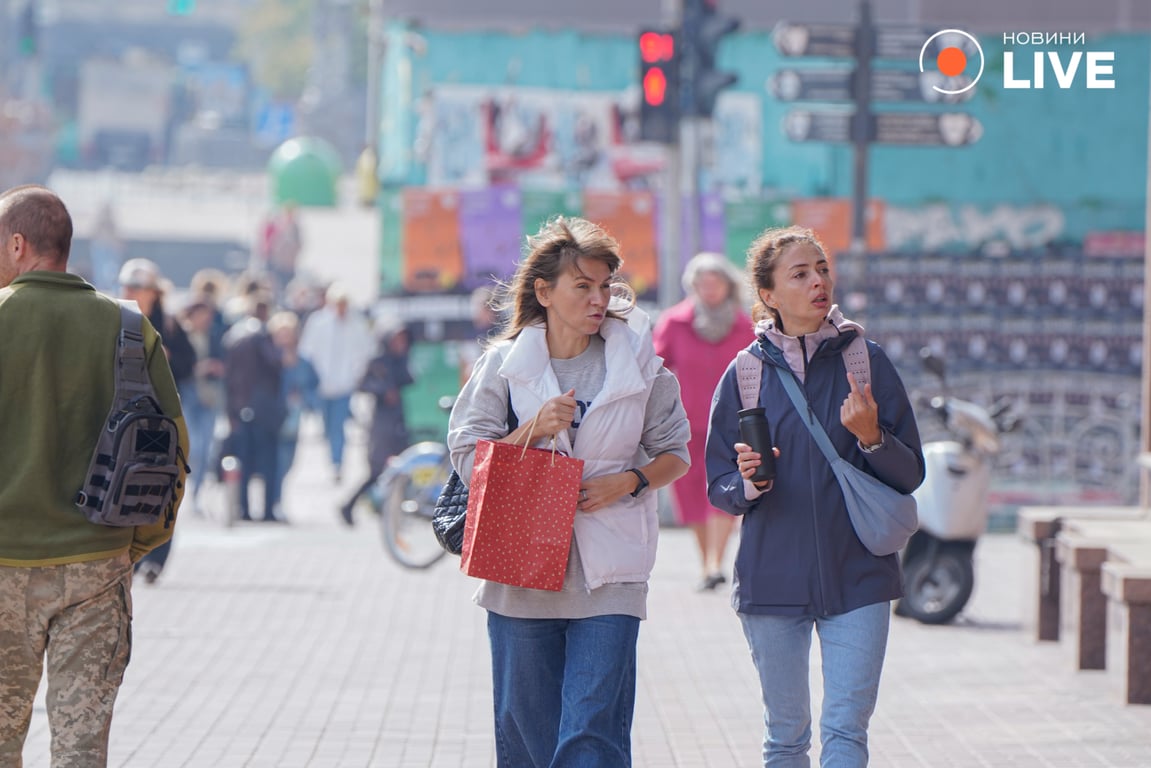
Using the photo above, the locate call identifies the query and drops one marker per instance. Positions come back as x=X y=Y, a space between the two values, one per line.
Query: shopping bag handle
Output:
x=527 y=436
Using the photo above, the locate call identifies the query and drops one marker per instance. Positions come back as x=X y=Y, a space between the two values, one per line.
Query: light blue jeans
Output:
x=335 y=412
x=852 y=646
x=564 y=691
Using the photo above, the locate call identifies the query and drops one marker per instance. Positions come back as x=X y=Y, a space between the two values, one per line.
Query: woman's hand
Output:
x=747 y=460
x=555 y=415
x=860 y=414
x=598 y=492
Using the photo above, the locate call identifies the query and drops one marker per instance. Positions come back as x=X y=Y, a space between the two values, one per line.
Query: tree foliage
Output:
x=276 y=40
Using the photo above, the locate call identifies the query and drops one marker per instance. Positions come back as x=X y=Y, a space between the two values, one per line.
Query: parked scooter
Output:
x=938 y=561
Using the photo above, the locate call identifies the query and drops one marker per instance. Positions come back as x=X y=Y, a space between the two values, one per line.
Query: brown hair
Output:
x=41 y=217
x=556 y=248
x=762 y=258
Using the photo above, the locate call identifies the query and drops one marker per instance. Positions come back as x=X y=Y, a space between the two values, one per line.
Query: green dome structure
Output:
x=305 y=171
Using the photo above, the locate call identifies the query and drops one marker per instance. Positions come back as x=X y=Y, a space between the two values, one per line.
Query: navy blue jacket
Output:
x=798 y=553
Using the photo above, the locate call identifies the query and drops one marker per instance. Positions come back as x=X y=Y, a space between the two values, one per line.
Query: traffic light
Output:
x=181 y=7
x=28 y=30
x=703 y=29
x=659 y=85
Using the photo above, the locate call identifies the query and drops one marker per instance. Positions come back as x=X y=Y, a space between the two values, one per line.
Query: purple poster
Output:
x=490 y=234
x=712 y=227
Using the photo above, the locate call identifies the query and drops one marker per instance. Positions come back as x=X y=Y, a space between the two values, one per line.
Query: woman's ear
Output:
x=765 y=297
x=543 y=291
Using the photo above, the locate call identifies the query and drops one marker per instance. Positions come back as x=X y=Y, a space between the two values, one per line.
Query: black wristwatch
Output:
x=643 y=483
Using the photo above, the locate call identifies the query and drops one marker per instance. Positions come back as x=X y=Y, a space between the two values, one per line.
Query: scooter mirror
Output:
x=932 y=363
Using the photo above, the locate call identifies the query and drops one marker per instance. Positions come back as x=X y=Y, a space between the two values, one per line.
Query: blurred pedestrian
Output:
x=338 y=341
x=300 y=388
x=575 y=370
x=697 y=338
x=255 y=405
x=141 y=282
x=203 y=396
x=282 y=243
x=800 y=565
x=385 y=380
x=65 y=583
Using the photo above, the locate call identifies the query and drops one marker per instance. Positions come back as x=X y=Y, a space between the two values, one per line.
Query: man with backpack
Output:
x=65 y=582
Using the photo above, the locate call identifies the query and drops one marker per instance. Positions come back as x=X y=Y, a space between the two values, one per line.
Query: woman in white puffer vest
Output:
x=563 y=663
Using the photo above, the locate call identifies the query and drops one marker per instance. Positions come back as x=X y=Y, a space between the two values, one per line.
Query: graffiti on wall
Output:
x=939 y=226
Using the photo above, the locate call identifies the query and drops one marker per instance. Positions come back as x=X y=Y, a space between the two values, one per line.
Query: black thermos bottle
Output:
x=754 y=430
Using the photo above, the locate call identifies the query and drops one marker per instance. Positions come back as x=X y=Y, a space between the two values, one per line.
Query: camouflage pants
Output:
x=80 y=615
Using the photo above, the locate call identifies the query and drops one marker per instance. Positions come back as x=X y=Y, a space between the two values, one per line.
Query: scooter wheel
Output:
x=937 y=588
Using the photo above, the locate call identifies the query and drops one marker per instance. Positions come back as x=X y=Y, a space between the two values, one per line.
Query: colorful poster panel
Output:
x=831 y=220
x=432 y=258
x=391 y=241
x=539 y=205
x=745 y=219
x=490 y=234
x=630 y=218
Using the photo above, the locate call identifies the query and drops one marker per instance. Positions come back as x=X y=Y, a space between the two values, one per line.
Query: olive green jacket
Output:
x=57 y=352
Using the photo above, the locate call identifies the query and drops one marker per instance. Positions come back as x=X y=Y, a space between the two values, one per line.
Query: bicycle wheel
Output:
x=409 y=499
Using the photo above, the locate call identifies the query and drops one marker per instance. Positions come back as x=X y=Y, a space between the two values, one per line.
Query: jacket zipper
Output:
x=814 y=495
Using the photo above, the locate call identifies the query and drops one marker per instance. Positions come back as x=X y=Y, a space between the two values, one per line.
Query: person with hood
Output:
x=385 y=380
x=572 y=367
x=696 y=338
x=800 y=565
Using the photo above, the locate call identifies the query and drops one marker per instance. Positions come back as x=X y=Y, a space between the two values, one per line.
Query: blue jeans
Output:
x=335 y=411
x=852 y=646
x=201 y=423
x=564 y=691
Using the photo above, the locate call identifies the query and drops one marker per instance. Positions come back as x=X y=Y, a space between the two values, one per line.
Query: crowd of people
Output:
x=249 y=366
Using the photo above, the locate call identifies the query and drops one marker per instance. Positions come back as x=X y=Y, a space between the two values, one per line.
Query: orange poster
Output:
x=433 y=260
x=830 y=217
x=629 y=217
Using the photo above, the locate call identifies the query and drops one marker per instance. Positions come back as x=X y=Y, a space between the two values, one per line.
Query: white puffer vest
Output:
x=618 y=543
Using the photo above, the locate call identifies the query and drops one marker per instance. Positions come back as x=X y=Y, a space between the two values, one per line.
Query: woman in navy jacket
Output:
x=800 y=564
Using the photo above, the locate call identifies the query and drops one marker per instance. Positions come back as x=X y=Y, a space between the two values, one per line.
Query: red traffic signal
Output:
x=656 y=47
x=654 y=86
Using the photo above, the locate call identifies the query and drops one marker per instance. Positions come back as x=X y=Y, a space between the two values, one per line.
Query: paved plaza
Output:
x=305 y=645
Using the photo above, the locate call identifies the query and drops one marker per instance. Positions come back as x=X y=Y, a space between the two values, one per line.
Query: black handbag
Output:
x=451 y=511
x=451 y=514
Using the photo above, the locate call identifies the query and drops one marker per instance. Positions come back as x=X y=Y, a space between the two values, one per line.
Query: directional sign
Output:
x=900 y=42
x=804 y=125
x=813 y=85
x=886 y=85
x=909 y=85
x=834 y=40
x=952 y=129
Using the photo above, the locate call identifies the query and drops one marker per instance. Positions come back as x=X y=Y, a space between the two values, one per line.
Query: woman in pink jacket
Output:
x=697 y=338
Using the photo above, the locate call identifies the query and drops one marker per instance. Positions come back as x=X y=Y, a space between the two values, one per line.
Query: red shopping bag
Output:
x=521 y=507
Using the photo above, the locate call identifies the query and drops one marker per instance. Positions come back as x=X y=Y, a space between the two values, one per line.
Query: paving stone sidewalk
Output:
x=304 y=645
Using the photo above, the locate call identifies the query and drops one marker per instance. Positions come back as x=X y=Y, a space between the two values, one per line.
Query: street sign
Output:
x=900 y=42
x=897 y=85
x=909 y=85
x=951 y=129
x=833 y=40
x=805 y=125
x=812 y=85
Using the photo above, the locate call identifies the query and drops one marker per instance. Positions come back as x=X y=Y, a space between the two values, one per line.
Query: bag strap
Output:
x=748 y=369
x=801 y=405
x=858 y=361
x=131 y=361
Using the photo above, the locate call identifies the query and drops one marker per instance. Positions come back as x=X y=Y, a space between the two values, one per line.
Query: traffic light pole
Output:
x=854 y=270
x=669 y=223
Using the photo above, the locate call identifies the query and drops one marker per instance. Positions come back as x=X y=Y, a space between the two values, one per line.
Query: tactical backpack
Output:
x=135 y=469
